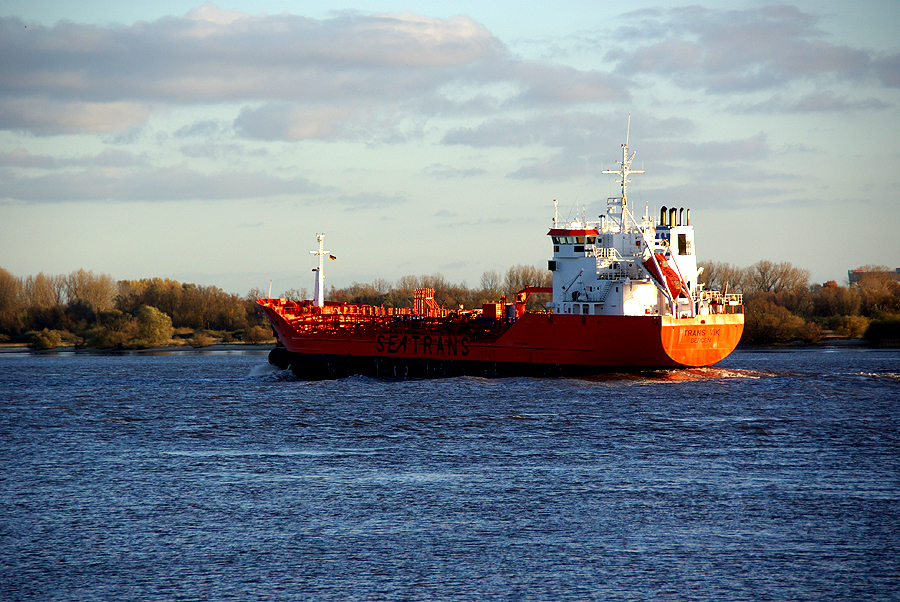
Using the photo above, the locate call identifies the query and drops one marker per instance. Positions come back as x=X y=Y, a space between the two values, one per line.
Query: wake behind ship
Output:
x=625 y=297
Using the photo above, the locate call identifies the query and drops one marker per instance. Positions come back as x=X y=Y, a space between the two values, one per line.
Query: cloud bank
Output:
x=379 y=79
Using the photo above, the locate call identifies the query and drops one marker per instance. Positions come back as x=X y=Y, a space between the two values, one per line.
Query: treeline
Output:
x=493 y=285
x=87 y=309
x=780 y=304
x=84 y=309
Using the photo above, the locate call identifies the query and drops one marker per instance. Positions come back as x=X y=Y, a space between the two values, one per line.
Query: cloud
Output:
x=754 y=148
x=348 y=77
x=44 y=116
x=205 y=128
x=820 y=102
x=496 y=132
x=734 y=51
x=368 y=201
x=586 y=131
x=888 y=70
x=172 y=183
x=573 y=162
x=555 y=167
x=21 y=158
x=446 y=172
x=284 y=121
x=212 y=150
x=390 y=78
x=99 y=79
x=551 y=84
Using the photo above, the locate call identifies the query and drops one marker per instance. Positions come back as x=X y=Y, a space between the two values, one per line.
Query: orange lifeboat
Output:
x=668 y=276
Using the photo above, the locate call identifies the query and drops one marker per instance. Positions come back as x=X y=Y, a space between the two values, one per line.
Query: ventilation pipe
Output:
x=688 y=217
x=662 y=216
x=681 y=216
x=672 y=213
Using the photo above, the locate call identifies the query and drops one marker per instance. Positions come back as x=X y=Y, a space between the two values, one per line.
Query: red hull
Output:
x=535 y=342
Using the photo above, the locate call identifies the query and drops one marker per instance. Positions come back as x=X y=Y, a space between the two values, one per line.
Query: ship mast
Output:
x=624 y=172
x=319 y=293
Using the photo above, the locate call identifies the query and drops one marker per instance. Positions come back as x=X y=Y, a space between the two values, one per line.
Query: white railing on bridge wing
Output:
x=604 y=253
x=729 y=299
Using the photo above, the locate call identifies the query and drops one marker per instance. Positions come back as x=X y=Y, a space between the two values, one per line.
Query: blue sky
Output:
x=209 y=143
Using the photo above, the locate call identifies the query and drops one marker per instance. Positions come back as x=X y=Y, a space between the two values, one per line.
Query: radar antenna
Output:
x=624 y=172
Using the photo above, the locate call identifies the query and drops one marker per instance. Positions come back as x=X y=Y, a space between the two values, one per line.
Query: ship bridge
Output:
x=624 y=267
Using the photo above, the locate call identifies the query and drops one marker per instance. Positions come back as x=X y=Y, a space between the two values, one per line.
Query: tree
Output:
x=834 y=300
x=381 y=286
x=154 y=327
x=884 y=332
x=355 y=293
x=766 y=323
x=97 y=291
x=519 y=276
x=44 y=292
x=490 y=282
x=849 y=326
x=209 y=307
x=879 y=294
x=10 y=301
x=765 y=276
x=293 y=294
x=254 y=294
x=258 y=334
x=114 y=329
x=402 y=293
x=716 y=276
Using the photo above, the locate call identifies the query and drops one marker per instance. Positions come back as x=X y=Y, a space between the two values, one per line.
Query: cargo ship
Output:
x=625 y=297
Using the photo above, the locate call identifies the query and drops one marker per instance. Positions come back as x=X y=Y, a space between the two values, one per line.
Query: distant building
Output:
x=854 y=276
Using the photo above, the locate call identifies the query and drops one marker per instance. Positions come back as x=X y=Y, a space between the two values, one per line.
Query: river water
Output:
x=211 y=476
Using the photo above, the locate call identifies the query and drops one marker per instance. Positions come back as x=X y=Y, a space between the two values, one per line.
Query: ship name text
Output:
x=422 y=344
x=701 y=335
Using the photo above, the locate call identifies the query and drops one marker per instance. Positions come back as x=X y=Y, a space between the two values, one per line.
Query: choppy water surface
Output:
x=773 y=476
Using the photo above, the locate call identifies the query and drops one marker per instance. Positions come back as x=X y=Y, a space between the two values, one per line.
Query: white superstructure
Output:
x=621 y=266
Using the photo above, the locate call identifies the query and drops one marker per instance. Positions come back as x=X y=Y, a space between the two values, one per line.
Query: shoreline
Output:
x=264 y=348
x=162 y=349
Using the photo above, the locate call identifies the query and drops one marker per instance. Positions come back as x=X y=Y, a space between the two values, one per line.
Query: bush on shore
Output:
x=884 y=332
x=201 y=339
x=46 y=339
